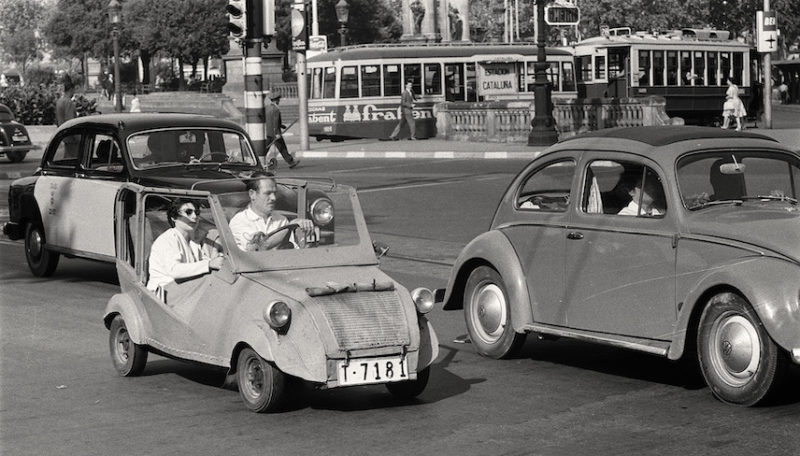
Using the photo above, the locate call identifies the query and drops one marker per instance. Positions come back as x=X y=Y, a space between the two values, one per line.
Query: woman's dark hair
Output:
x=174 y=208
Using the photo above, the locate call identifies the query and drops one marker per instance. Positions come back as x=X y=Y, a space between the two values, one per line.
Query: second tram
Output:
x=689 y=68
x=355 y=91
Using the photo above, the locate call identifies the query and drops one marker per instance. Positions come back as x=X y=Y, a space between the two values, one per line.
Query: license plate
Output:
x=363 y=371
x=20 y=138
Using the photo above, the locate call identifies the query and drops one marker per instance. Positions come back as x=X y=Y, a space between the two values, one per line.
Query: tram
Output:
x=688 y=67
x=355 y=91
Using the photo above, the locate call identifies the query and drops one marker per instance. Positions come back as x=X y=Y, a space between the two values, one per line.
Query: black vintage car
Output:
x=67 y=205
x=14 y=140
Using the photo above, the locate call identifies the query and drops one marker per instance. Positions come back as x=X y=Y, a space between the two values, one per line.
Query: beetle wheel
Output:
x=41 y=261
x=129 y=358
x=410 y=389
x=488 y=315
x=16 y=156
x=739 y=361
x=261 y=385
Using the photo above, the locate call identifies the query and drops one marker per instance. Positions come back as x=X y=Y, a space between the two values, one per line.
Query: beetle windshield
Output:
x=189 y=145
x=731 y=177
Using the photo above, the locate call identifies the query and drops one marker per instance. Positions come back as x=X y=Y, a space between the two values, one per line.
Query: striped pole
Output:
x=254 y=98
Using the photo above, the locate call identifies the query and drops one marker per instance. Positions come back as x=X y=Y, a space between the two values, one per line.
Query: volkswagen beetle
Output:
x=681 y=242
x=325 y=314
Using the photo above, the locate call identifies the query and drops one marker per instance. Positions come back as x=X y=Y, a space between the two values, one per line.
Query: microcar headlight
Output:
x=796 y=355
x=322 y=212
x=423 y=299
x=277 y=314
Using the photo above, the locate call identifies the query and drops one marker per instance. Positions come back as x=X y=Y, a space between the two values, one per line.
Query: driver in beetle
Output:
x=251 y=225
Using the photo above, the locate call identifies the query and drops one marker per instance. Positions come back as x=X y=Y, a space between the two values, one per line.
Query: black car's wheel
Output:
x=41 y=261
x=410 y=389
x=16 y=156
x=739 y=361
x=129 y=358
x=262 y=386
x=488 y=314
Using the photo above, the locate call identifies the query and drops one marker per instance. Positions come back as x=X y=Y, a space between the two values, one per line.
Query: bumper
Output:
x=13 y=230
x=23 y=148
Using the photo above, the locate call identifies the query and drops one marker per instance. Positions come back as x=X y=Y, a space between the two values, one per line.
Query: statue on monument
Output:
x=456 y=26
x=418 y=11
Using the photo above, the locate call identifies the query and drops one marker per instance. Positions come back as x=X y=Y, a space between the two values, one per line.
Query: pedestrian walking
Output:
x=65 y=106
x=135 y=104
x=274 y=131
x=733 y=106
x=406 y=113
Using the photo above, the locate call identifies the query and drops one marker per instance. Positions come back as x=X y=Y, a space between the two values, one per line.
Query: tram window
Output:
x=552 y=75
x=687 y=75
x=585 y=68
x=672 y=68
x=413 y=71
x=329 y=83
x=530 y=77
x=711 y=70
x=725 y=66
x=472 y=82
x=567 y=77
x=370 y=81
x=349 y=82
x=316 y=83
x=454 y=81
x=644 y=68
x=600 y=67
x=616 y=63
x=433 y=79
x=699 y=67
x=392 y=80
x=738 y=68
x=658 y=68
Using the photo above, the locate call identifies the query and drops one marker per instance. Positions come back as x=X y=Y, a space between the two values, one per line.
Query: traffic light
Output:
x=237 y=18
x=562 y=15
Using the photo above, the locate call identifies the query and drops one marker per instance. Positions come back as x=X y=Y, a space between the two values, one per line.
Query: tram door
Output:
x=455 y=87
x=618 y=72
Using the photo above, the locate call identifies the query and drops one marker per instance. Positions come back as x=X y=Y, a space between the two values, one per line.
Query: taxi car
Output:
x=712 y=271
x=14 y=140
x=66 y=207
x=325 y=314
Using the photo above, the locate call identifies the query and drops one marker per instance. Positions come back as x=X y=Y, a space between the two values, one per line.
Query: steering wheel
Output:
x=288 y=226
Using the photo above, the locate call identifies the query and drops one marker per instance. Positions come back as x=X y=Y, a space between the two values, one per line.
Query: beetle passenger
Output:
x=645 y=199
x=175 y=254
x=251 y=225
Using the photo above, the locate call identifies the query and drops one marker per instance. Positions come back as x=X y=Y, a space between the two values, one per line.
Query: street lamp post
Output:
x=342 y=14
x=114 y=13
x=543 y=126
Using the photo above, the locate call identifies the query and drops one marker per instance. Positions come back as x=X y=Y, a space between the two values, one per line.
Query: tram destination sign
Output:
x=562 y=14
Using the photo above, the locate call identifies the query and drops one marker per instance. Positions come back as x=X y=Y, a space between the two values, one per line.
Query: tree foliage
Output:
x=20 y=22
x=92 y=37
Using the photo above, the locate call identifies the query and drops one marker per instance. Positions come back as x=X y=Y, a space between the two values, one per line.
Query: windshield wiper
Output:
x=770 y=198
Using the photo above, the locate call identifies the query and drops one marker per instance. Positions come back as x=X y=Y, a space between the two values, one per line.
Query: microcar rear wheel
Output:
x=262 y=386
x=129 y=358
x=739 y=361
x=41 y=261
x=410 y=389
x=488 y=315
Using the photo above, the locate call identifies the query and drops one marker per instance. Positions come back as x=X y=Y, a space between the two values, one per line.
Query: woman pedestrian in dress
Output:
x=733 y=106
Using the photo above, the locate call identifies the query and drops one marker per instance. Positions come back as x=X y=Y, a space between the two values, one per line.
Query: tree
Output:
x=20 y=23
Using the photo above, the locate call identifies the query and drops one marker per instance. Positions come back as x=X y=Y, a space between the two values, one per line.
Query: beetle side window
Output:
x=622 y=188
x=547 y=189
x=67 y=151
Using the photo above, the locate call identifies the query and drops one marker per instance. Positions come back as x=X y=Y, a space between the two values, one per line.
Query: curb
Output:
x=494 y=155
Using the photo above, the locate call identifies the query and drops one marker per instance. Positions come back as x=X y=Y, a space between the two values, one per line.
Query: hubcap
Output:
x=735 y=349
x=35 y=244
x=123 y=343
x=489 y=313
x=253 y=379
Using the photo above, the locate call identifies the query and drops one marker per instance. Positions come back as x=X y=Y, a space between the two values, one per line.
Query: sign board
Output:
x=317 y=44
x=299 y=28
x=562 y=15
x=497 y=79
x=767 y=31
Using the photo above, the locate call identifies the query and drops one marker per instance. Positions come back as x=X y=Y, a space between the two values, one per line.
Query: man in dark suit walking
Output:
x=274 y=130
x=406 y=112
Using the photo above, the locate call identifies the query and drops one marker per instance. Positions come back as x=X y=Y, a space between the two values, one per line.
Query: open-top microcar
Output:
x=324 y=313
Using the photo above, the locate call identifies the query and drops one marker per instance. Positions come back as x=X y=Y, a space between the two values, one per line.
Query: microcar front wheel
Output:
x=262 y=386
x=488 y=315
x=129 y=358
x=739 y=361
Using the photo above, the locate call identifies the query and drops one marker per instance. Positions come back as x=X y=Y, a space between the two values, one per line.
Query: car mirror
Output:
x=380 y=248
x=732 y=168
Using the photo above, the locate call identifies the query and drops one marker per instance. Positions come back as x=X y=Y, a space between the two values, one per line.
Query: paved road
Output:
x=60 y=396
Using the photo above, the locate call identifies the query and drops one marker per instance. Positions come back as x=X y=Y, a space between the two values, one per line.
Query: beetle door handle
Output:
x=575 y=235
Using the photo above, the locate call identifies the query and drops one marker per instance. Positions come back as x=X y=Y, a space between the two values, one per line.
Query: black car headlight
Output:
x=322 y=211
x=278 y=315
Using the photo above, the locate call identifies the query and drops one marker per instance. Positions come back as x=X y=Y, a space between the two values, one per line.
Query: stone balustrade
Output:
x=284 y=89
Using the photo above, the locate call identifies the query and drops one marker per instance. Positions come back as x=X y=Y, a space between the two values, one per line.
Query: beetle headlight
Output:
x=277 y=314
x=423 y=299
x=322 y=211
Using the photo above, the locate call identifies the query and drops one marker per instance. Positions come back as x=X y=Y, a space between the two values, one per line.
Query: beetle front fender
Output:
x=493 y=249
x=123 y=305
x=770 y=285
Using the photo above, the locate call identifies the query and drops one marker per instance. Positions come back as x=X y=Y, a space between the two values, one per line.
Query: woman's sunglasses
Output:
x=190 y=212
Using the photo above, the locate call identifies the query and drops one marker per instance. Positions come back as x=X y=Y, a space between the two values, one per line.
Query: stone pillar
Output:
x=444 y=21
x=429 y=21
x=408 y=22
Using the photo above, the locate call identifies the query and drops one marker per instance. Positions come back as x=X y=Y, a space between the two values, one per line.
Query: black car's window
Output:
x=194 y=145
x=66 y=152
x=622 y=188
x=547 y=189
x=6 y=116
x=720 y=177
x=105 y=155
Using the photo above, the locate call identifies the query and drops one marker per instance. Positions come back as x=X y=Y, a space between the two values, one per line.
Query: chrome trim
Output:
x=655 y=347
